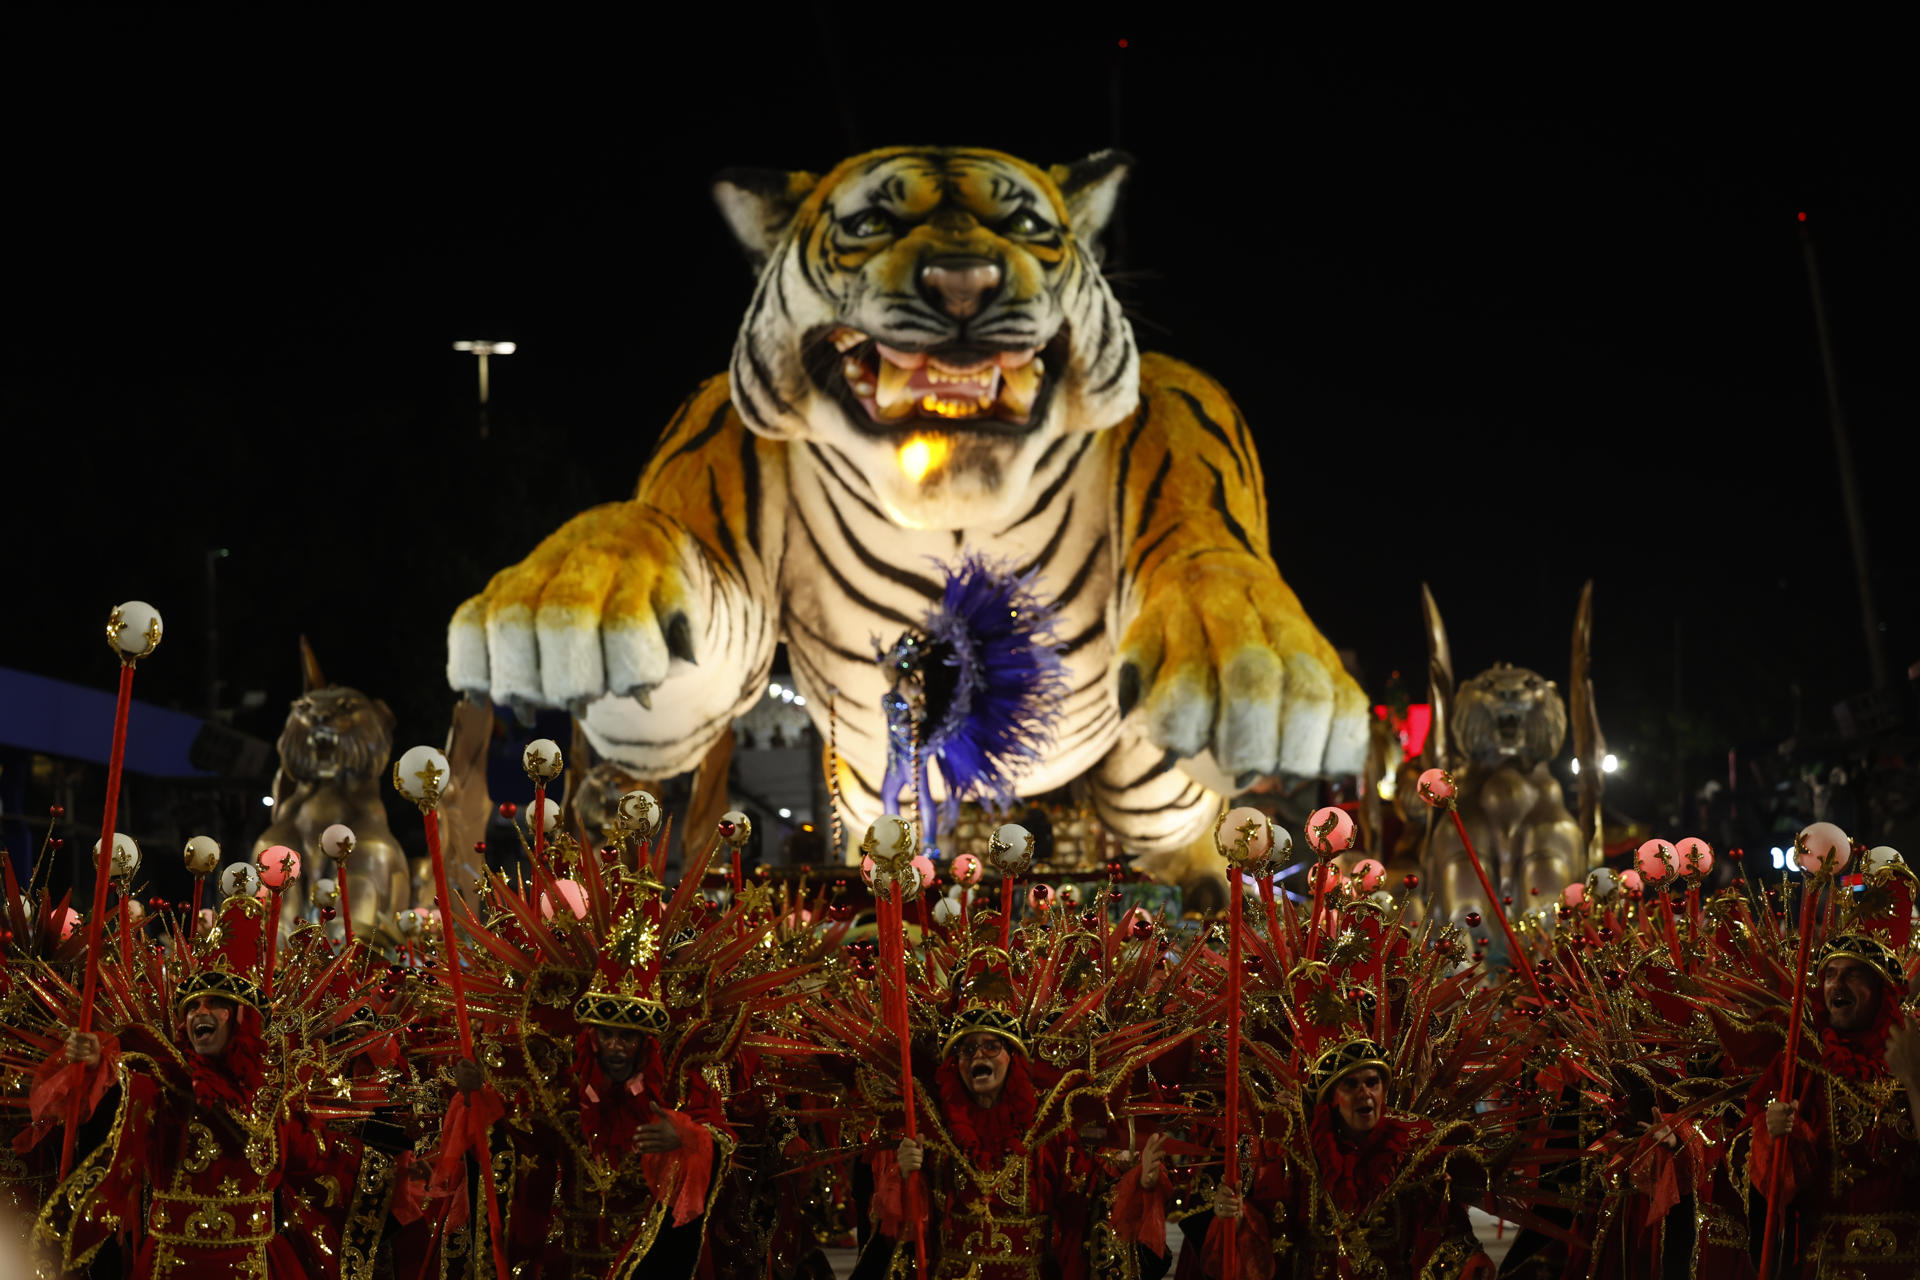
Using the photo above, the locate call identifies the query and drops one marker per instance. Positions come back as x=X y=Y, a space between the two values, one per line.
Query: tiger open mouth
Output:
x=965 y=385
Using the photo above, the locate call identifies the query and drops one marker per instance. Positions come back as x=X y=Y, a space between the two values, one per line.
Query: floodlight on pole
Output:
x=484 y=349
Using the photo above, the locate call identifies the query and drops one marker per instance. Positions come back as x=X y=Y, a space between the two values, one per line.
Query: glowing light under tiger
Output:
x=921 y=455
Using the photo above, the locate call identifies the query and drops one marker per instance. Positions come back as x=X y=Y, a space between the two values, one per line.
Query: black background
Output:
x=1508 y=310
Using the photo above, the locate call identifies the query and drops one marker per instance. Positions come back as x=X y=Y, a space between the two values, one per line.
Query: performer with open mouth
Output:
x=218 y=1162
x=1851 y=1187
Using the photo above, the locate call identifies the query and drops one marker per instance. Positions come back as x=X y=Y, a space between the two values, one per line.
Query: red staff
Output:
x=133 y=632
x=418 y=775
x=890 y=845
x=1696 y=860
x=202 y=857
x=278 y=866
x=1330 y=831
x=543 y=764
x=1010 y=850
x=1437 y=789
x=1245 y=839
x=337 y=843
x=1822 y=851
x=1657 y=861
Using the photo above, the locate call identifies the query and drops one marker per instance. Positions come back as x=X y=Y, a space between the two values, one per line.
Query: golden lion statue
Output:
x=333 y=763
x=1498 y=734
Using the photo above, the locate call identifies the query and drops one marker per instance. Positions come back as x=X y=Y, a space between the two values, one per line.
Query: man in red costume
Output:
x=212 y=1167
x=1851 y=1184
x=1366 y=1194
x=619 y=1180
x=1009 y=1181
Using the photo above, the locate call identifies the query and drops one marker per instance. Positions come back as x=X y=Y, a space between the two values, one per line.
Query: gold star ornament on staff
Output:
x=419 y=775
x=133 y=633
x=889 y=865
x=1244 y=837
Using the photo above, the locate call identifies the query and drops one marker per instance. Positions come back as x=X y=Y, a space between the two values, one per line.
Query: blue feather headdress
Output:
x=980 y=685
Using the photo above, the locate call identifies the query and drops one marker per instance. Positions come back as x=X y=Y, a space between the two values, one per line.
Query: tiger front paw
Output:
x=1221 y=656
x=604 y=605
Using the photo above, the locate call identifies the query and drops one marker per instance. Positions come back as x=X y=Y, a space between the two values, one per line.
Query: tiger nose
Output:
x=959 y=285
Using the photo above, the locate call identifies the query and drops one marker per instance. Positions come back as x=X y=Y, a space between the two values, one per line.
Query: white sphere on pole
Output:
x=134 y=629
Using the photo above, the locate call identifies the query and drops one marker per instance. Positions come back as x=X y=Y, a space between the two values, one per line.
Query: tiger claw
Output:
x=680 y=639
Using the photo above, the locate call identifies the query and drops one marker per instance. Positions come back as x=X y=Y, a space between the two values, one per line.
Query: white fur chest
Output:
x=852 y=581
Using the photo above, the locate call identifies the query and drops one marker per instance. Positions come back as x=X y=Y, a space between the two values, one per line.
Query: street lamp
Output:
x=484 y=350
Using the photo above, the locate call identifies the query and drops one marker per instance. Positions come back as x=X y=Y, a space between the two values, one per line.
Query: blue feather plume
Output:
x=988 y=670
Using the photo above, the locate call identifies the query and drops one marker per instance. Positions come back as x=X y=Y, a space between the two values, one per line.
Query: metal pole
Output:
x=1843 y=457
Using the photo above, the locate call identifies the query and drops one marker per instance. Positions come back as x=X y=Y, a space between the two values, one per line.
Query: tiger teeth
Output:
x=845 y=339
x=1021 y=385
x=893 y=386
x=857 y=376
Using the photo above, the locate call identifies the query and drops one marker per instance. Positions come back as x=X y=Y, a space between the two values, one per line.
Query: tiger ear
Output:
x=1092 y=191
x=758 y=205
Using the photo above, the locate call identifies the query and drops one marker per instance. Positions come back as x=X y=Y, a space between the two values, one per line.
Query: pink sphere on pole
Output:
x=1655 y=861
x=866 y=869
x=570 y=893
x=1630 y=881
x=1369 y=873
x=69 y=918
x=278 y=865
x=1330 y=830
x=924 y=865
x=1437 y=788
x=1695 y=856
x=1040 y=897
x=967 y=870
x=1574 y=894
x=1823 y=848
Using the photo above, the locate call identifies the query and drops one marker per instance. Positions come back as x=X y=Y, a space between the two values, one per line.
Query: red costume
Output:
x=1009 y=1195
x=585 y=1197
x=1851 y=1184
x=212 y=1166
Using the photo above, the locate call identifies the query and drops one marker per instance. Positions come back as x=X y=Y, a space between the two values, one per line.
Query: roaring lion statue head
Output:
x=1509 y=715
x=336 y=734
x=932 y=319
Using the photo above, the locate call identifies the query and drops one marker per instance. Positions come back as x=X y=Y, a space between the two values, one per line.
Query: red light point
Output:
x=1123 y=42
x=1802 y=215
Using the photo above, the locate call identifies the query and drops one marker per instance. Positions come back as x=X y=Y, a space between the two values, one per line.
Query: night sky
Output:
x=1502 y=324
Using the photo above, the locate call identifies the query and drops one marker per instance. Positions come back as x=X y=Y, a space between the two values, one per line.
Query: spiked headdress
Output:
x=986 y=1002
x=622 y=995
x=1342 y=1060
x=230 y=959
x=1868 y=950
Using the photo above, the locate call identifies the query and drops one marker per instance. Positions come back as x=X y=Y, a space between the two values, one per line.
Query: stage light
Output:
x=267 y=801
x=1576 y=766
x=799 y=700
x=1610 y=763
x=786 y=813
x=773 y=691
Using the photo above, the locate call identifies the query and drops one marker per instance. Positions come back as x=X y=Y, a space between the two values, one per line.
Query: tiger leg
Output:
x=1216 y=653
x=1162 y=817
x=654 y=617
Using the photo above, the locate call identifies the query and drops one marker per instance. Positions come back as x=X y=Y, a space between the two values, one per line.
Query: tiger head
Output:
x=1509 y=715
x=936 y=315
x=336 y=734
